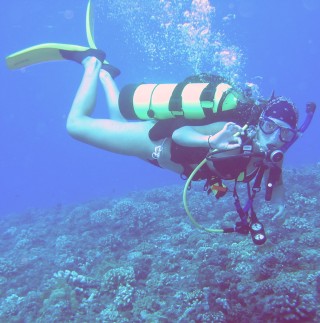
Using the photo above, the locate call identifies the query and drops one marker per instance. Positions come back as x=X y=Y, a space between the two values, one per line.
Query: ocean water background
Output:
x=275 y=45
x=90 y=236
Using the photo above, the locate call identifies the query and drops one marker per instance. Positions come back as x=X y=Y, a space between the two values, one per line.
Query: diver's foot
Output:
x=80 y=56
x=91 y=64
x=112 y=70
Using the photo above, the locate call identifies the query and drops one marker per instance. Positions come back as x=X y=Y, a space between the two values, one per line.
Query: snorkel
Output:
x=310 y=110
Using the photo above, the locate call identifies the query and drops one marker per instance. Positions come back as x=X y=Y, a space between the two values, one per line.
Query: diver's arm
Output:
x=278 y=192
x=215 y=136
x=196 y=136
x=278 y=196
x=189 y=137
x=279 y=201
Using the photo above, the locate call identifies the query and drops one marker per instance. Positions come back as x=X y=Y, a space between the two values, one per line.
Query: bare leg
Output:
x=116 y=135
x=85 y=99
x=112 y=94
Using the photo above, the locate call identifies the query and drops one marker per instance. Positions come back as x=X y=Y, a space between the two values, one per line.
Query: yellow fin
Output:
x=39 y=53
x=90 y=26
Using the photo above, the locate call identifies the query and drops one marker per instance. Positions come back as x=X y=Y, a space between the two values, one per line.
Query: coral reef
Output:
x=138 y=259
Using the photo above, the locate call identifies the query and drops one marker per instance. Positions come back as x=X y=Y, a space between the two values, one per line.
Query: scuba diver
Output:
x=176 y=126
x=202 y=129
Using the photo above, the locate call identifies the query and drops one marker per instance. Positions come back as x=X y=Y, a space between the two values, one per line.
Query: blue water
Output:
x=276 y=44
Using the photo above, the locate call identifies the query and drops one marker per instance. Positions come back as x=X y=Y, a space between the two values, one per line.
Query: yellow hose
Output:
x=184 y=198
x=185 y=190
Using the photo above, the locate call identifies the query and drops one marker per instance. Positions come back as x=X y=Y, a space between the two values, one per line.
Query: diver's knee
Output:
x=72 y=127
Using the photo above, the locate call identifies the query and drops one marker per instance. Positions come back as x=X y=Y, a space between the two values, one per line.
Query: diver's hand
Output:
x=227 y=138
x=281 y=211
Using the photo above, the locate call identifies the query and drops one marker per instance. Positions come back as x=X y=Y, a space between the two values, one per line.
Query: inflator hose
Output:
x=185 y=204
x=184 y=195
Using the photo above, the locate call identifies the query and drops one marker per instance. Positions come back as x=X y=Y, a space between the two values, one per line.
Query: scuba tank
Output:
x=167 y=101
